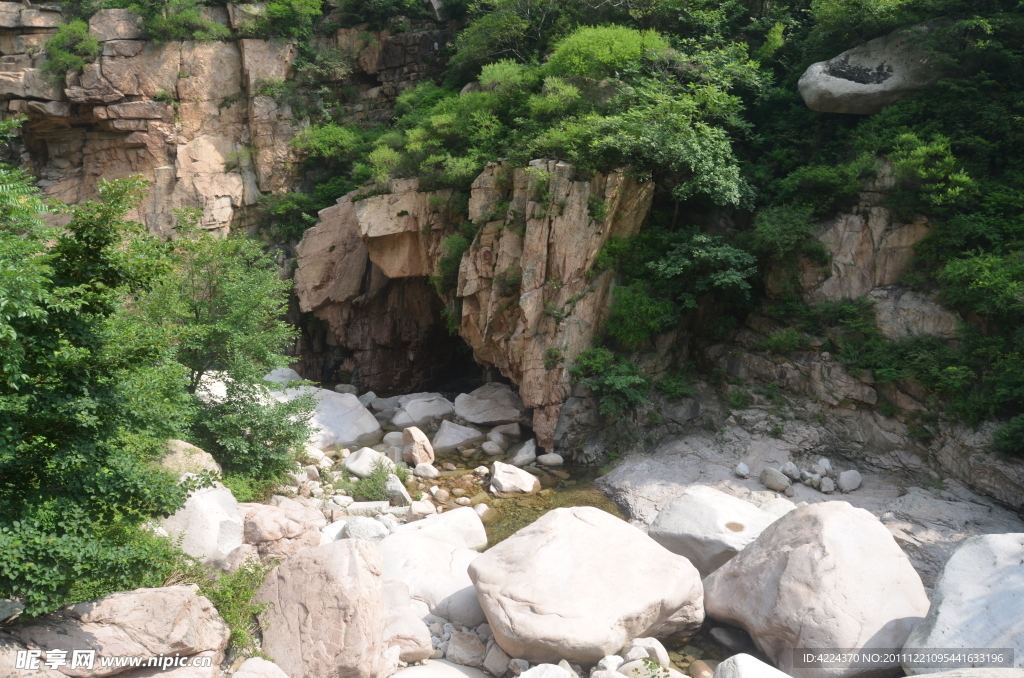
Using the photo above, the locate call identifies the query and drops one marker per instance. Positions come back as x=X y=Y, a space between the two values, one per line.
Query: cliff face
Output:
x=529 y=303
x=188 y=116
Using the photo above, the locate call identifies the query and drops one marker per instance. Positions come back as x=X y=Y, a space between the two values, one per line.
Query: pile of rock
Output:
x=820 y=476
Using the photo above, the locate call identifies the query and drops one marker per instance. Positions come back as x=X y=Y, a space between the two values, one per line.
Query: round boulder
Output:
x=579 y=583
x=825 y=575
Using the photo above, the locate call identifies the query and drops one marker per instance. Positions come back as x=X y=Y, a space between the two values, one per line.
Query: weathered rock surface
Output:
x=145 y=622
x=339 y=420
x=450 y=436
x=422 y=410
x=210 y=524
x=417 y=448
x=507 y=479
x=402 y=625
x=326 y=618
x=460 y=527
x=708 y=527
x=116 y=24
x=436 y=574
x=871 y=76
x=834 y=577
x=183 y=457
x=363 y=461
x=256 y=667
x=491 y=405
x=977 y=600
x=554 y=590
x=439 y=668
x=283 y=530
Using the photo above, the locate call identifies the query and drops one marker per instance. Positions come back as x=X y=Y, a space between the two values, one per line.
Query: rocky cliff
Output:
x=192 y=117
x=527 y=297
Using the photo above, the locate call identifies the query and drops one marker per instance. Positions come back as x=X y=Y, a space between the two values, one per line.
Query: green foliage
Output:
x=785 y=341
x=232 y=593
x=378 y=13
x=637 y=313
x=84 y=404
x=597 y=208
x=284 y=19
x=70 y=48
x=739 y=398
x=676 y=386
x=169 y=20
x=698 y=264
x=1009 y=438
x=372 y=487
x=447 y=278
x=780 y=233
x=223 y=301
x=602 y=51
x=617 y=382
x=552 y=357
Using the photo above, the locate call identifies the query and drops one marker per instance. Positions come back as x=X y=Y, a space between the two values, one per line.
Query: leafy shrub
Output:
x=597 y=208
x=250 y=434
x=636 y=314
x=377 y=13
x=70 y=48
x=675 y=386
x=780 y=233
x=285 y=19
x=86 y=400
x=697 y=264
x=372 y=488
x=739 y=399
x=169 y=20
x=784 y=341
x=1009 y=438
x=232 y=593
x=599 y=52
x=552 y=357
x=617 y=382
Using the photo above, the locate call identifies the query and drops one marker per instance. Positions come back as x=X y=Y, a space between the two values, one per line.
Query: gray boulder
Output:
x=977 y=600
x=871 y=76
x=708 y=526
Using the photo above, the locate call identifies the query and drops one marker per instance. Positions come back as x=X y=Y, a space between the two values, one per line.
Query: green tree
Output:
x=223 y=302
x=83 y=408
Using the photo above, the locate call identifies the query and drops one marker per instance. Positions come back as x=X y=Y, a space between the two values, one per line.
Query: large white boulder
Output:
x=978 y=601
x=421 y=410
x=869 y=77
x=147 y=622
x=826 y=575
x=746 y=666
x=507 y=479
x=209 y=525
x=491 y=404
x=461 y=528
x=325 y=618
x=579 y=583
x=339 y=420
x=708 y=526
x=436 y=574
x=449 y=436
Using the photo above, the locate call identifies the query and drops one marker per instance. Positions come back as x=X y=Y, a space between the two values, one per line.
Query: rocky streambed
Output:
x=716 y=552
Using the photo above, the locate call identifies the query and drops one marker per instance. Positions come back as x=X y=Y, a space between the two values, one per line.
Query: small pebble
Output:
x=742 y=470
